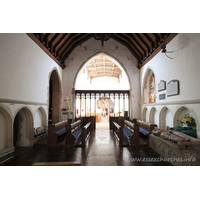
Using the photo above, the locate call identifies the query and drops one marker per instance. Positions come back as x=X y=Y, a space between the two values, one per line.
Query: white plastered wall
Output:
x=184 y=67
x=90 y=48
x=25 y=71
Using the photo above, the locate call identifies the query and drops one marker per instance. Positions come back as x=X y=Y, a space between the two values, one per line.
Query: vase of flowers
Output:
x=188 y=121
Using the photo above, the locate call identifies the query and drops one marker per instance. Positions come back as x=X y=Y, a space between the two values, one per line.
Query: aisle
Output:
x=103 y=124
x=103 y=149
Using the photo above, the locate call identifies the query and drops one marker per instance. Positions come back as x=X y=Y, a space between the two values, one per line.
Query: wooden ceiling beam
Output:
x=153 y=38
x=114 y=67
x=50 y=38
x=82 y=38
x=38 y=42
x=56 y=41
x=64 y=48
x=128 y=46
x=146 y=41
x=135 y=44
x=62 y=43
x=129 y=43
x=168 y=39
x=99 y=71
x=144 y=46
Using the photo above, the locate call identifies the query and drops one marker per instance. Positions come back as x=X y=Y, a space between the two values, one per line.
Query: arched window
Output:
x=149 y=87
x=152 y=89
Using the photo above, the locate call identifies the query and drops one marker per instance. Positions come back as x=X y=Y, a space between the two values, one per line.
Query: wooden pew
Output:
x=56 y=131
x=77 y=131
x=118 y=131
x=131 y=131
x=73 y=132
x=127 y=129
x=145 y=128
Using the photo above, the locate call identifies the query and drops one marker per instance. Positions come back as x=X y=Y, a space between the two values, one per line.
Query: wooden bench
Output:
x=127 y=129
x=131 y=131
x=144 y=127
x=76 y=132
x=56 y=132
x=73 y=132
x=118 y=131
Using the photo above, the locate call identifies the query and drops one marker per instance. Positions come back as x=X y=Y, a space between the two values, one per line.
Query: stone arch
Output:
x=146 y=86
x=43 y=117
x=117 y=62
x=144 y=114
x=54 y=96
x=165 y=118
x=23 y=127
x=5 y=129
x=180 y=112
x=152 y=114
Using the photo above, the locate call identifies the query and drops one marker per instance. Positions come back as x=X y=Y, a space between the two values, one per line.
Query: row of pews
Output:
x=131 y=130
x=75 y=133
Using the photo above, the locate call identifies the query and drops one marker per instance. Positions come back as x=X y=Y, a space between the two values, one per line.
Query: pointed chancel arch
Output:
x=54 y=97
x=5 y=129
x=98 y=66
x=23 y=128
x=102 y=72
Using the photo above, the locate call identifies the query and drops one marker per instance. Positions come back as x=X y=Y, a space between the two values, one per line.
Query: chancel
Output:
x=86 y=99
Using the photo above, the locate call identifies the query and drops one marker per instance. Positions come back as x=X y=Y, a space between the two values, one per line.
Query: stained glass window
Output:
x=152 y=87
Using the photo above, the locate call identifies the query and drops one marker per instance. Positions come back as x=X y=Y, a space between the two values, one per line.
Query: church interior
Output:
x=99 y=99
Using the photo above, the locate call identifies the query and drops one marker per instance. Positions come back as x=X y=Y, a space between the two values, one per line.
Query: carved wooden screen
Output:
x=105 y=103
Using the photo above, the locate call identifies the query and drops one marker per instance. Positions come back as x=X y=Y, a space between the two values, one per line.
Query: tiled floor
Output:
x=101 y=143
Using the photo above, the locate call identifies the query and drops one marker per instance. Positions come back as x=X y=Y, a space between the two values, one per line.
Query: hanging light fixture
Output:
x=103 y=37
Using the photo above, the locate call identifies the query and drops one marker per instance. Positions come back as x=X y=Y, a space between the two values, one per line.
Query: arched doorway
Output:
x=23 y=128
x=54 y=98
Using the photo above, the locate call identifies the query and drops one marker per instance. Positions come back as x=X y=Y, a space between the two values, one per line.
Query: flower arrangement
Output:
x=188 y=120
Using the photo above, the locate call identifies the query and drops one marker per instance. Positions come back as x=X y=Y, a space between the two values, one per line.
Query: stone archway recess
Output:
x=23 y=128
x=152 y=115
x=144 y=112
x=55 y=97
x=7 y=133
x=44 y=117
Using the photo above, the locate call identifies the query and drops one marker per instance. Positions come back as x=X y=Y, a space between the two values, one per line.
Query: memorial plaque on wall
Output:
x=173 y=88
x=161 y=96
x=162 y=86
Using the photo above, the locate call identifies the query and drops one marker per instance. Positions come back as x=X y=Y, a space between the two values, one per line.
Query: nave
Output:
x=102 y=149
